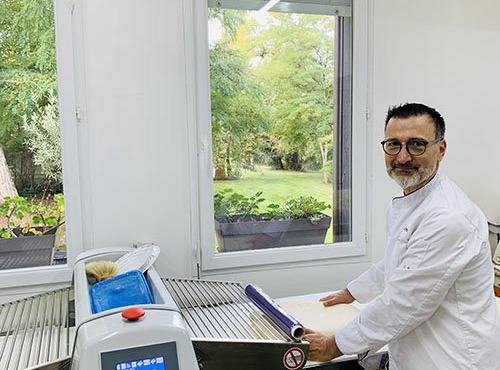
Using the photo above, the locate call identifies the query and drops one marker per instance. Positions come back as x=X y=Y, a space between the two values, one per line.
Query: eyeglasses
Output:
x=414 y=147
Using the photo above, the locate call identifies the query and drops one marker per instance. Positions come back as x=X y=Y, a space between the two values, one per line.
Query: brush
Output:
x=101 y=270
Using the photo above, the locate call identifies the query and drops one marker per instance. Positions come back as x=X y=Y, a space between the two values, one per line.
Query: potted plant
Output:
x=28 y=230
x=240 y=226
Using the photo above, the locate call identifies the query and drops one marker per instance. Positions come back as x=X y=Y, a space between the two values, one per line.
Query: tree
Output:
x=326 y=147
x=239 y=115
x=7 y=187
x=27 y=77
x=295 y=61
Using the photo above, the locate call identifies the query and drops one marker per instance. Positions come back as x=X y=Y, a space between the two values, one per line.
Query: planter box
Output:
x=245 y=235
x=27 y=251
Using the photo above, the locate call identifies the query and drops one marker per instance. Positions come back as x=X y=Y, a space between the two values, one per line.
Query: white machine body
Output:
x=159 y=340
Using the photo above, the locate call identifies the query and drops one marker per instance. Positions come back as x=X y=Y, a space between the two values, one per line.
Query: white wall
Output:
x=135 y=165
x=446 y=54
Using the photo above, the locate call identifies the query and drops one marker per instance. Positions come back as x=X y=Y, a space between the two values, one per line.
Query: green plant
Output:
x=20 y=216
x=235 y=207
x=297 y=208
x=44 y=139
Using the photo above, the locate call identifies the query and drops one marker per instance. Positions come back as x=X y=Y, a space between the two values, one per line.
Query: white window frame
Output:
x=57 y=274
x=206 y=260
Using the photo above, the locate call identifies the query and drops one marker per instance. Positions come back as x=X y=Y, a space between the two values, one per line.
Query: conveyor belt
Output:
x=221 y=310
x=227 y=328
x=228 y=331
x=36 y=330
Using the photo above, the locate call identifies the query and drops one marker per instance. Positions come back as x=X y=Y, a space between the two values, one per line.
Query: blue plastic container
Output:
x=130 y=288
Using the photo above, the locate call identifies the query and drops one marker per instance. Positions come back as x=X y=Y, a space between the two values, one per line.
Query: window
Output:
x=32 y=109
x=282 y=135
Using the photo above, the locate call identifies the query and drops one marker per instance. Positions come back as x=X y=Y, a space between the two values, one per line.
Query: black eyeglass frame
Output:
x=425 y=142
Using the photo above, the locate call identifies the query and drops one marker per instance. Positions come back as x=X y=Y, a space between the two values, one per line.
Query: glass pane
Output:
x=281 y=173
x=31 y=202
x=342 y=165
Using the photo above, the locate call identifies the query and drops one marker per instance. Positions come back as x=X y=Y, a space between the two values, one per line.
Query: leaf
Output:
x=51 y=221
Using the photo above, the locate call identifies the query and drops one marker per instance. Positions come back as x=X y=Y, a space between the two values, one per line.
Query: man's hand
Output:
x=321 y=347
x=342 y=296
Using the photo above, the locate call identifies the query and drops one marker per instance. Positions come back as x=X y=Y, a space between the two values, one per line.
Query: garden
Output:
x=290 y=208
x=272 y=117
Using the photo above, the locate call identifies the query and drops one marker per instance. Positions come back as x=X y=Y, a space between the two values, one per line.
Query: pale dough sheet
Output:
x=314 y=315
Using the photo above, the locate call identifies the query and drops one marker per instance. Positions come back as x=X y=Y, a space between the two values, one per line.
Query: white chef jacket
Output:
x=431 y=297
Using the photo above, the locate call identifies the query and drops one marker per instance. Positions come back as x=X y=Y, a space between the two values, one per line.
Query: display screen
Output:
x=162 y=356
x=154 y=363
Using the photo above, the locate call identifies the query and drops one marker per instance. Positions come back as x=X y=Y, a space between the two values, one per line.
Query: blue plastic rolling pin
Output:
x=286 y=322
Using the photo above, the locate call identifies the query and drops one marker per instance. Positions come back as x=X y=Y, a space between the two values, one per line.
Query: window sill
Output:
x=286 y=255
x=35 y=276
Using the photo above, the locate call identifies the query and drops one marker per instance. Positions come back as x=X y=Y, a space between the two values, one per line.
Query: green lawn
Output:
x=277 y=186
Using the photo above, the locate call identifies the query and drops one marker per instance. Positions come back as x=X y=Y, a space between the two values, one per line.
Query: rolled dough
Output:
x=314 y=315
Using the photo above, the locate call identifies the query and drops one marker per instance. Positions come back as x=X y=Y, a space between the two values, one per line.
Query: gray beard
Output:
x=420 y=175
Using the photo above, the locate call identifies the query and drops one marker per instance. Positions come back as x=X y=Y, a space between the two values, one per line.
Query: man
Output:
x=431 y=297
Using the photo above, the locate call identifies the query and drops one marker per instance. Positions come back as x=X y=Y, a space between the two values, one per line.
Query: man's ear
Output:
x=442 y=149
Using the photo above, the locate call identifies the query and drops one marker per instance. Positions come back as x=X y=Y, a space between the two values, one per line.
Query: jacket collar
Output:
x=418 y=195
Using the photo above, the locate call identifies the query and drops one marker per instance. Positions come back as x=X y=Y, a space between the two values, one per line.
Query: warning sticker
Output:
x=294 y=358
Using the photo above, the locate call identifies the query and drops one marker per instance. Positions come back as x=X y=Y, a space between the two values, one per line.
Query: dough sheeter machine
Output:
x=192 y=324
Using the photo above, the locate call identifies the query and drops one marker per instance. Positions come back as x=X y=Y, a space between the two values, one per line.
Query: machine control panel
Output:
x=161 y=356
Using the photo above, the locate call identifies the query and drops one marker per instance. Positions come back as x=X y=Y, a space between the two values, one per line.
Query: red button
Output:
x=133 y=313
